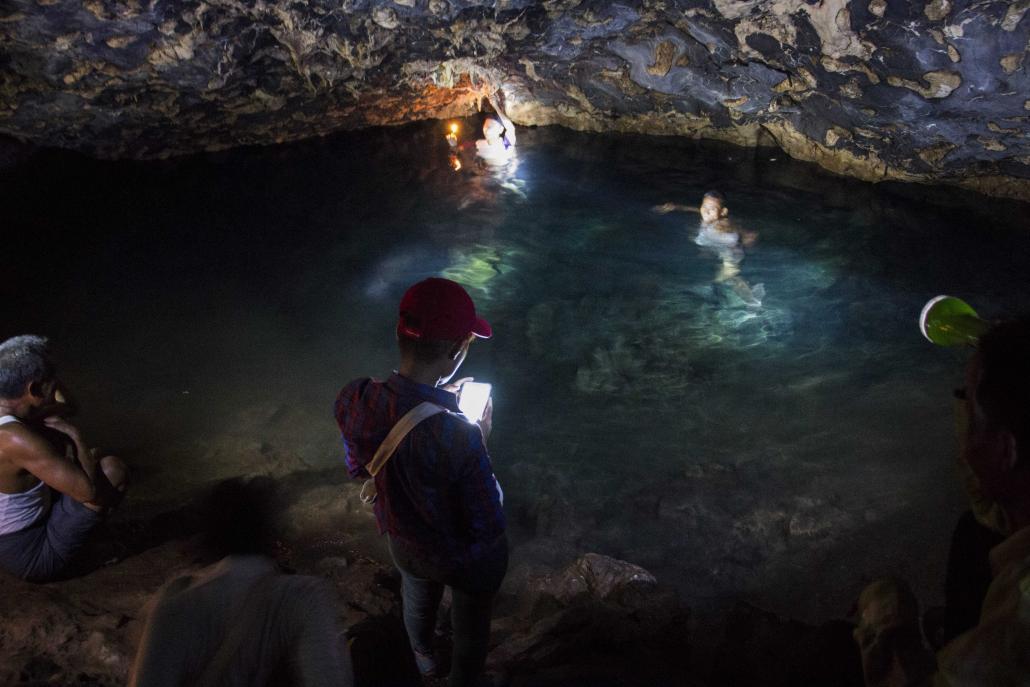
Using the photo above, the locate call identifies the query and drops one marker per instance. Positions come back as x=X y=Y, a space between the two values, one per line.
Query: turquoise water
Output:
x=209 y=308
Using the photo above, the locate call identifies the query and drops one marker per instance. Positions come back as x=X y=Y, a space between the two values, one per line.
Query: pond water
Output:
x=207 y=310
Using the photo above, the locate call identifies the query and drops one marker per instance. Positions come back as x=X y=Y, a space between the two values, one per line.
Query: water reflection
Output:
x=484 y=182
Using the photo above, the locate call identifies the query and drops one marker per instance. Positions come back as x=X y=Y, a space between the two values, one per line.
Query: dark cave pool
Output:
x=207 y=309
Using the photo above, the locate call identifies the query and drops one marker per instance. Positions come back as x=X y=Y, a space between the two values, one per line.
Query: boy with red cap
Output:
x=436 y=495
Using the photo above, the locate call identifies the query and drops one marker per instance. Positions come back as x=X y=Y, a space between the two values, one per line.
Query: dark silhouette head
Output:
x=1003 y=391
x=240 y=517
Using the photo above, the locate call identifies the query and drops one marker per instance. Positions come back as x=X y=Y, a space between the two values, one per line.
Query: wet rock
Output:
x=137 y=80
x=609 y=369
x=595 y=604
x=85 y=629
x=328 y=508
x=12 y=153
x=553 y=507
x=937 y=9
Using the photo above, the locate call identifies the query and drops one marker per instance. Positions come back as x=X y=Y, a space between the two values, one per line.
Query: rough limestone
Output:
x=878 y=90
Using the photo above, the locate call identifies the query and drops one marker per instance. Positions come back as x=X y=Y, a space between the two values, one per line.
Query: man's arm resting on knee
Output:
x=29 y=451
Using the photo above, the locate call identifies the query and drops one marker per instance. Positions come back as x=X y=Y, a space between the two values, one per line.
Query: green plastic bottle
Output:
x=950 y=321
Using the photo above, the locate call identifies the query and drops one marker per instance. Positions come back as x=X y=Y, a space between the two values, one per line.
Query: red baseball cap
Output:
x=439 y=309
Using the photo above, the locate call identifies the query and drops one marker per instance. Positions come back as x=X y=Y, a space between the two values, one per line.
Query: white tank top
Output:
x=18 y=511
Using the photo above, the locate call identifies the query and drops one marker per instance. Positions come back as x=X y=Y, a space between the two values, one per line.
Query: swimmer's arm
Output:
x=32 y=453
x=728 y=226
x=509 y=126
x=665 y=208
x=748 y=237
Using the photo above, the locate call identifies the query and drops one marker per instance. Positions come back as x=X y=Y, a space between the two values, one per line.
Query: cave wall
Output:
x=877 y=89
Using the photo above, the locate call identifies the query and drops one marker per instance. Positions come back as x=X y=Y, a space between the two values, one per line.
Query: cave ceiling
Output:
x=876 y=89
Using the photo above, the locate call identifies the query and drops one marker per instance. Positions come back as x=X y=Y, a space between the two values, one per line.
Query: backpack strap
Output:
x=400 y=430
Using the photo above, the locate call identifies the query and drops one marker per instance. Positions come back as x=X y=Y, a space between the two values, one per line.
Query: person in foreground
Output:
x=725 y=239
x=437 y=498
x=996 y=651
x=241 y=622
x=54 y=488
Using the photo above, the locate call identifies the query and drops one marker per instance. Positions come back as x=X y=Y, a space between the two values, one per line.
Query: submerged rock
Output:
x=909 y=91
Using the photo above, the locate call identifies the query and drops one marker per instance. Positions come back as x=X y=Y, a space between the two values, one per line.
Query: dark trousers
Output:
x=472 y=593
x=39 y=553
x=969 y=574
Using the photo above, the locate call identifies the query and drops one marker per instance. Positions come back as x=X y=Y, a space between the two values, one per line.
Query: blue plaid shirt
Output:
x=437 y=492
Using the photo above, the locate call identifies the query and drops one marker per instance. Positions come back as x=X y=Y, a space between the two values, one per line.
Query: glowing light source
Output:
x=472 y=400
x=452 y=135
x=950 y=321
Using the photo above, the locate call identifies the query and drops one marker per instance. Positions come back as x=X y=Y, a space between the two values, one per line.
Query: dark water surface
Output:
x=208 y=309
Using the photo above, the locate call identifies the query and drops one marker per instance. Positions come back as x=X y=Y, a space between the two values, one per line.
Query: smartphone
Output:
x=472 y=399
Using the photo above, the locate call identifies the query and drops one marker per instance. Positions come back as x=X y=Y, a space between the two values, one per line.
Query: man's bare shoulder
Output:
x=19 y=446
x=21 y=443
x=14 y=434
x=13 y=431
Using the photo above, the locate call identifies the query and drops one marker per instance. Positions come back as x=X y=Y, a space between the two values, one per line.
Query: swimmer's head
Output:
x=492 y=129
x=713 y=207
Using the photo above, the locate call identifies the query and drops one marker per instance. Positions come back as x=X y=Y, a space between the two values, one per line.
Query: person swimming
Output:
x=497 y=146
x=719 y=235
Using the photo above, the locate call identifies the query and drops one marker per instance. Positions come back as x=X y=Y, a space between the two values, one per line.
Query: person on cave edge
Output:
x=54 y=488
x=436 y=497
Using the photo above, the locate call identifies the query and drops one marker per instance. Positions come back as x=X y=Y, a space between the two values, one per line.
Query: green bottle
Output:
x=950 y=321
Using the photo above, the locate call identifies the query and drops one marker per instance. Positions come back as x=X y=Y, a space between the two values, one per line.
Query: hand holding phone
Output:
x=472 y=399
x=486 y=423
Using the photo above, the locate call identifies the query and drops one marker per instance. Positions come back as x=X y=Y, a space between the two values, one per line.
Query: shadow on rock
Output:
x=760 y=648
x=599 y=621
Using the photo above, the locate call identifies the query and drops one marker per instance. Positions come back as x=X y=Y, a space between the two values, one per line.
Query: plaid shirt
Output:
x=437 y=492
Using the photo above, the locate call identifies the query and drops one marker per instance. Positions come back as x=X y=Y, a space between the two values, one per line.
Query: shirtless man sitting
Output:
x=54 y=488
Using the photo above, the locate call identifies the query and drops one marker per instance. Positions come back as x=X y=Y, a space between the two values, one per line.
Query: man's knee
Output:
x=116 y=475
x=116 y=472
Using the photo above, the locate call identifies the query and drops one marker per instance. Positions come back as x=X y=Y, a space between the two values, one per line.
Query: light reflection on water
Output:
x=641 y=410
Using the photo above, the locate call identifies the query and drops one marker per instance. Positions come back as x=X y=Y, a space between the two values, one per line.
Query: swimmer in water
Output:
x=497 y=146
x=727 y=240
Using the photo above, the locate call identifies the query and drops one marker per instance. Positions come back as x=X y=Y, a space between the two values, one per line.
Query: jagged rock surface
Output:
x=86 y=630
x=905 y=89
x=550 y=622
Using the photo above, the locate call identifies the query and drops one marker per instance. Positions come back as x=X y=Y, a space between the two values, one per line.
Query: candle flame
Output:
x=454 y=127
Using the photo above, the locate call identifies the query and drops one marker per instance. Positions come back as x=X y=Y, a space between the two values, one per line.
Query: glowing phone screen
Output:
x=472 y=399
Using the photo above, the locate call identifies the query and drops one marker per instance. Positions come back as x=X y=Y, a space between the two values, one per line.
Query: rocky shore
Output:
x=597 y=620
